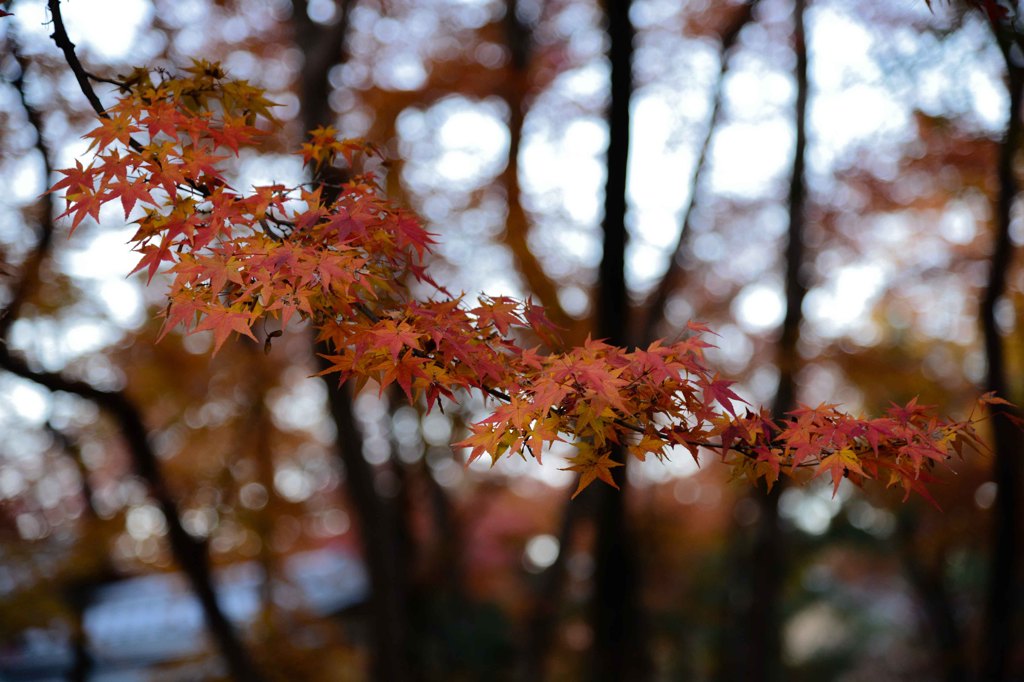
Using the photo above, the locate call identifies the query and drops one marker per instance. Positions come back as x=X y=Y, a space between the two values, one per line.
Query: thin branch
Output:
x=190 y=553
x=101 y=79
x=514 y=90
x=30 y=268
x=670 y=281
x=60 y=37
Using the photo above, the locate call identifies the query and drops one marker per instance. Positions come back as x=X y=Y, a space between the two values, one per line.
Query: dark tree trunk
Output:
x=1001 y=627
x=617 y=651
x=759 y=652
x=378 y=521
x=543 y=618
x=929 y=582
x=379 y=518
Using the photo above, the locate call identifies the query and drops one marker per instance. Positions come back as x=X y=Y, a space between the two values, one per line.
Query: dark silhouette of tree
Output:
x=618 y=645
x=379 y=517
x=1002 y=620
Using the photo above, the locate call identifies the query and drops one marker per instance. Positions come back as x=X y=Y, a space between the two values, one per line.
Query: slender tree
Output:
x=1002 y=623
x=379 y=517
x=618 y=646
x=757 y=633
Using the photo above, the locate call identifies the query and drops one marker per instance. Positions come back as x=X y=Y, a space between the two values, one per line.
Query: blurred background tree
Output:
x=830 y=186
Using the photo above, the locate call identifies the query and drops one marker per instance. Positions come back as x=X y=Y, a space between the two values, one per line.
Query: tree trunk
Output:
x=378 y=518
x=378 y=521
x=617 y=651
x=760 y=649
x=928 y=580
x=1001 y=626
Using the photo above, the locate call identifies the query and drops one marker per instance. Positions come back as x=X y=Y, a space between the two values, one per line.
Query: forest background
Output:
x=830 y=188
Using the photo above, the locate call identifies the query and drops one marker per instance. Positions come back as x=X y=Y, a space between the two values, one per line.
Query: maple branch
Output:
x=102 y=79
x=597 y=392
x=63 y=41
x=740 y=447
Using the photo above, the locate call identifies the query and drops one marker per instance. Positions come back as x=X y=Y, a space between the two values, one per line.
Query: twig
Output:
x=30 y=268
x=60 y=37
x=668 y=283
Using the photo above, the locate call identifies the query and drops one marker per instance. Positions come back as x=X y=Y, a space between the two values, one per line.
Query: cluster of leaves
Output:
x=336 y=253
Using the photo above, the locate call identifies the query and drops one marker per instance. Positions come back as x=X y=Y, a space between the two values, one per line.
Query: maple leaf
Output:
x=223 y=323
x=502 y=312
x=130 y=193
x=411 y=234
x=538 y=320
x=76 y=180
x=840 y=464
x=395 y=337
x=409 y=373
x=482 y=440
x=908 y=412
x=234 y=133
x=117 y=128
x=162 y=117
x=699 y=328
x=152 y=257
x=86 y=203
x=718 y=390
x=180 y=312
x=991 y=398
x=544 y=430
x=649 y=443
x=592 y=466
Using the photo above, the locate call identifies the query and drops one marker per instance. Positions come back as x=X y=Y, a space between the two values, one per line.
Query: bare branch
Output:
x=60 y=37
x=30 y=268
x=190 y=553
x=671 y=280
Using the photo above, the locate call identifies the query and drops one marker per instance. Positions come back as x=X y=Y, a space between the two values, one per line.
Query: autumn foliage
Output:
x=336 y=253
